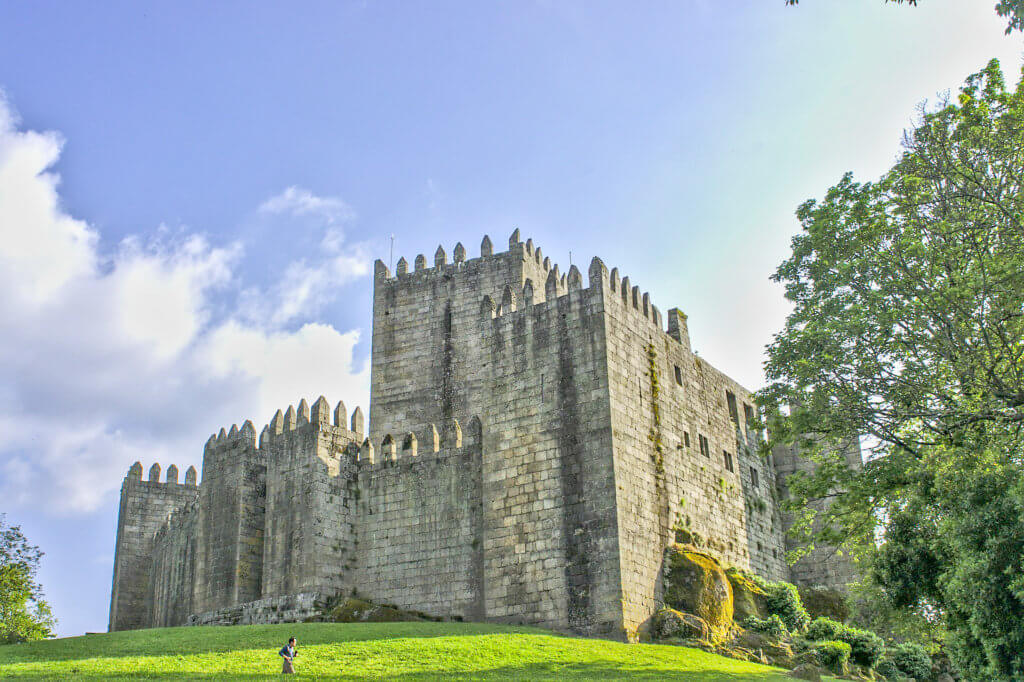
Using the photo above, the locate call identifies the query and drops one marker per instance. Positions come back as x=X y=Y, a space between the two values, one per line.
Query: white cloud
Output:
x=43 y=248
x=297 y=201
x=278 y=364
x=108 y=358
x=306 y=284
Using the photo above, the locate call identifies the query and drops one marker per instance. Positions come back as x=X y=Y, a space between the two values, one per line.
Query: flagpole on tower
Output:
x=391 y=255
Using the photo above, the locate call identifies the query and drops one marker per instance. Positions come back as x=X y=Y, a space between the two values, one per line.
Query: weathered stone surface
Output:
x=696 y=583
x=776 y=652
x=748 y=599
x=825 y=601
x=293 y=608
x=671 y=624
x=526 y=461
x=360 y=611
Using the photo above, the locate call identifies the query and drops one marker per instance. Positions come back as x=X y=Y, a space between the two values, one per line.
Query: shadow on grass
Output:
x=538 y=671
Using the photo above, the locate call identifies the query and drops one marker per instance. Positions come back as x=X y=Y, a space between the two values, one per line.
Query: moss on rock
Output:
x=695 y=583
x=775 y=651
x=671 y=624
x=748 y=597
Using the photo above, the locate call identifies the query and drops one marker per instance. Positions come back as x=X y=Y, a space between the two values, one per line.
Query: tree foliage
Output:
x=908 y=328
x=24 y=615
x=1013 y=10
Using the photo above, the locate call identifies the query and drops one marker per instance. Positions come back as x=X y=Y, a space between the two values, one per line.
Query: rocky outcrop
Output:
x=360 y=611
x=672 y=624
x=775 y=651
x=747 y=597
x=694 y=582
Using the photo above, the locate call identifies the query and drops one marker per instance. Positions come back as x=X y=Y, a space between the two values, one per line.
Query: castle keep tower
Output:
x=535 y=441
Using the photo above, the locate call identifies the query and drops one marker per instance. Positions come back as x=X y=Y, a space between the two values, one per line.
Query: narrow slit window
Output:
x=728 y=459
x=679 y=375
x=748 y=415
x=754 y=477
x=686 y=438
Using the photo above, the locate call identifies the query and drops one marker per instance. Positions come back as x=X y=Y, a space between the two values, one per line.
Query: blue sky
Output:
x=191 y=194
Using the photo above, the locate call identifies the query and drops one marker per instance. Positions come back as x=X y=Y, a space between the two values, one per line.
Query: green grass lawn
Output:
x=405 y=651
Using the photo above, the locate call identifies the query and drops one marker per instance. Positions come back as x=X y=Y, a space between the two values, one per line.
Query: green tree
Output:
x=24 y=614
x=1012 y=9
x=908 y=329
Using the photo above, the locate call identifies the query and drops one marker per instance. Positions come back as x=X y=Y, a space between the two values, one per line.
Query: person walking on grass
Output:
x=288 y=652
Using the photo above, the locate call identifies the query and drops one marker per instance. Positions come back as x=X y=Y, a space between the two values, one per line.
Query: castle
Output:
x=533 y=446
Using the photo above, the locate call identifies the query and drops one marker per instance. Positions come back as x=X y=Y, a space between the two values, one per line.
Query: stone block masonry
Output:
x=145 y=508
x=533 y=446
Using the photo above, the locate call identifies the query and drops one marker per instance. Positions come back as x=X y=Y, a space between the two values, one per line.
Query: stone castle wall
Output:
x=549 y=487
x=419 y=523
x=589 y=436
x=823 y=565
x=684 y=454
x=145 y=507
x=171 y=598
x=230 y=525
x=309 y=514
x=507 y=336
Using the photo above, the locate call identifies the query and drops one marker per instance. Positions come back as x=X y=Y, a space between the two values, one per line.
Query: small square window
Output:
x=679 y=375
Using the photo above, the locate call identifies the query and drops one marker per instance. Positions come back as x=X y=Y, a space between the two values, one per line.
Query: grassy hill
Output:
x=405 y=651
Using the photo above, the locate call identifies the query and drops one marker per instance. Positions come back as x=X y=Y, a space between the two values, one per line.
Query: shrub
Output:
x=833 y=655
x=887 y=669
x=824 y=628
x=784 y=600
x=865 y=646
x=912 y=660
x=772 y=625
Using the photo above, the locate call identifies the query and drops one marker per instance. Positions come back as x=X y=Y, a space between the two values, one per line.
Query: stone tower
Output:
x=535 y=441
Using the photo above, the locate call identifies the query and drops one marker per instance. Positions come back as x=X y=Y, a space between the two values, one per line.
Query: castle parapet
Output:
x=134 y=475
x=319 y=417
x=428 y=444
x=518 y=250
x=145 y=508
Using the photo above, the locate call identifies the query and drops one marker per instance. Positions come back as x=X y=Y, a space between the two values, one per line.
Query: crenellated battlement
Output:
x=319 y=417
x=551 y=285
x=230 y=439
x=171 y=479
x=427 y=445
x=518 y=251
